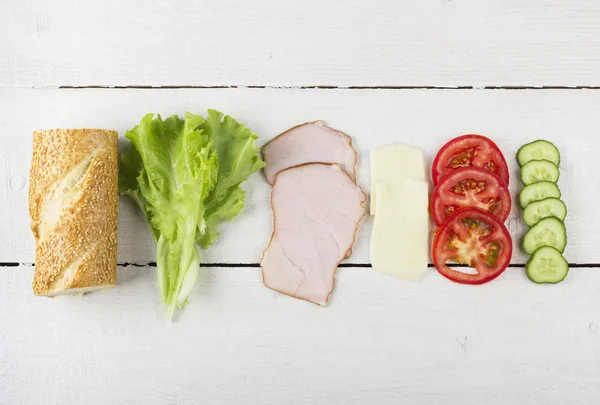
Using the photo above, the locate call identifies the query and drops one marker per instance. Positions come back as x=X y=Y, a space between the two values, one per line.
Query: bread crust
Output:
x=73 y=204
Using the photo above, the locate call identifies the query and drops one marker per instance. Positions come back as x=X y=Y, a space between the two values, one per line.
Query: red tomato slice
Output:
x=469 y=150
x=470 y=187
x=475 y=238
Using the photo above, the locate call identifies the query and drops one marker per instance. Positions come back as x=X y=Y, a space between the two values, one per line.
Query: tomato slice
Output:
x=476 y=238
x=469 y=150
x=470 y=187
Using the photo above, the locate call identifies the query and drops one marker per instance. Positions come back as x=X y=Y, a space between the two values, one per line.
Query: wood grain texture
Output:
x=427 y=118
x=300 y=43
x=380 y=340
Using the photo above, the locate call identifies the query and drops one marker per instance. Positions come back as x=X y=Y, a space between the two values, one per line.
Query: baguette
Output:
x=73 y=204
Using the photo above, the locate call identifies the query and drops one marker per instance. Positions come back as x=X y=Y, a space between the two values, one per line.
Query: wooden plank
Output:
x=380 y=340
x=428 y=118
x=300 y=43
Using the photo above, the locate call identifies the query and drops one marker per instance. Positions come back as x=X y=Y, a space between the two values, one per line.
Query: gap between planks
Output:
x=328 y=87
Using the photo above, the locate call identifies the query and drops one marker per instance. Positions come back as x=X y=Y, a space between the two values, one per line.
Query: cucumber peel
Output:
x=548 y=207
x=538 y=150
x=538 y=191
x=547 y=232
x=547 y=266
x=535 y=171
x=543 y=212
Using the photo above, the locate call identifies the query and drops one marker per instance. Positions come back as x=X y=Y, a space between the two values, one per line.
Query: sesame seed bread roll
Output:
x=73 y=204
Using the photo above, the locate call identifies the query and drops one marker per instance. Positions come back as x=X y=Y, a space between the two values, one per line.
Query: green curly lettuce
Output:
x=238 y=159
x=176 y=166
x=185 y=176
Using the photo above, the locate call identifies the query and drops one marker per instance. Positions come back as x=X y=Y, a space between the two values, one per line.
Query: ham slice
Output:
x=307 y=143
x=316 y=208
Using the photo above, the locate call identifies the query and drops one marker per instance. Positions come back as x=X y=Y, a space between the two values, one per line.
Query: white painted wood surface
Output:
x=427 y=118
x=380 y=340
x=300 y=43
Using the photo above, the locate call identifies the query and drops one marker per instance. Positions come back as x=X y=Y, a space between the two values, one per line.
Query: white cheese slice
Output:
x=392 y=164
x=400 y=239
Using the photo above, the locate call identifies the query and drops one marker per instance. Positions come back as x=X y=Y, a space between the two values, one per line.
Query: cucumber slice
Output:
x=547 y=232
x=538 y=191
x=549 y=207
x=538 y=150
x=535 y=171
x=547 y=265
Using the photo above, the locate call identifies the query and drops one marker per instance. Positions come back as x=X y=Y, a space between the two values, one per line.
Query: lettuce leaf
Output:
x=238 y=159
x=130 y=168
x=185 y=175
x=169 y=169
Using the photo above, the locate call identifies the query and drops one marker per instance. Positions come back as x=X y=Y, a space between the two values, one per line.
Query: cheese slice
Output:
x=392 y=164
x=400 y=238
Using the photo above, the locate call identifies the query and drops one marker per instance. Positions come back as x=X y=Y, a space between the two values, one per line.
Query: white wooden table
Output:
x=420 y=72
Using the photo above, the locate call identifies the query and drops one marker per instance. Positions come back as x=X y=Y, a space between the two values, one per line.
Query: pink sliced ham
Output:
x=316 y=208
x=307 y=143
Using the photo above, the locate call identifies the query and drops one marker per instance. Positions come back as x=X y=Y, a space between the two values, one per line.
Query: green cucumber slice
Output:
x=549 y=207
x=538 y=150
x=547 y=265
x=538 y=191
x=535 y=171
x=547 y=232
